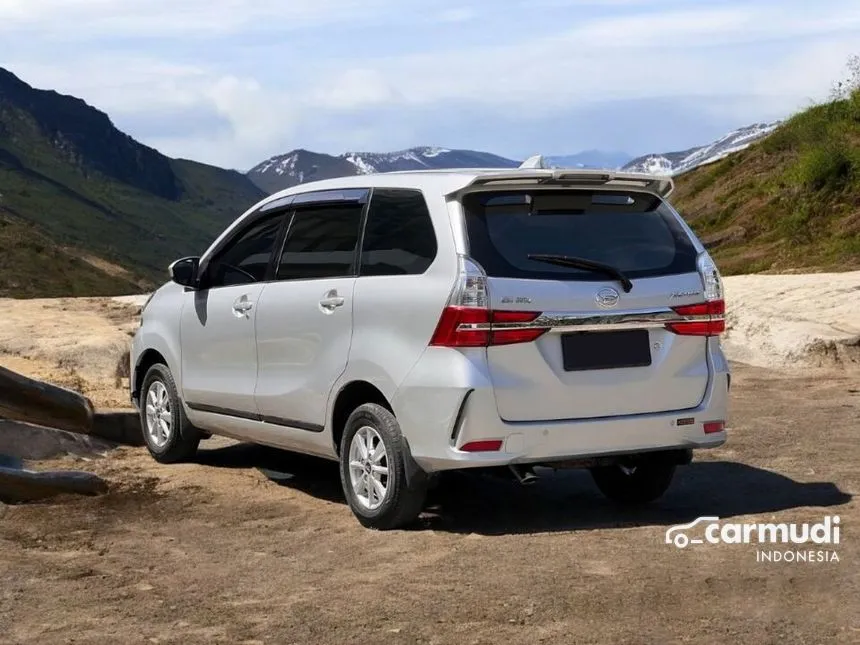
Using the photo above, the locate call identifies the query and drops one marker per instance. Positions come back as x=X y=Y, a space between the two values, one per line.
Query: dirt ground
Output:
x=79 y=343
x=252 y=545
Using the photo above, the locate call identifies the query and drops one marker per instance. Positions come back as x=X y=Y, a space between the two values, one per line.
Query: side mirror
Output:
x=184 y=271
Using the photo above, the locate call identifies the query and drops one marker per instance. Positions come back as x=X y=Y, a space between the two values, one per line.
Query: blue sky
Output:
x=232 y=83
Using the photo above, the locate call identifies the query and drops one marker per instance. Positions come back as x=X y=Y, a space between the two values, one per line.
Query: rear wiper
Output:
x=582 y=263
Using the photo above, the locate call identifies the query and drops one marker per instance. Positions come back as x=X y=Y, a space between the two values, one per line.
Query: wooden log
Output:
x=40 y=403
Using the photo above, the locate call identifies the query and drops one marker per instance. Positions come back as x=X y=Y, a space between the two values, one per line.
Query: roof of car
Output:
x=448 y=181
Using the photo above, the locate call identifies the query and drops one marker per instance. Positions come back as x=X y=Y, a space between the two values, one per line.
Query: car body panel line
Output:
x=253 y=416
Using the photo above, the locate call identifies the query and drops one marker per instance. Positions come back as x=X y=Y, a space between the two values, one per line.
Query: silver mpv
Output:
x=412 y=323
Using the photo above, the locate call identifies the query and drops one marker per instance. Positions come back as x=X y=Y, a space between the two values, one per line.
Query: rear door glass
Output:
x=633 y=232
x=321 y=243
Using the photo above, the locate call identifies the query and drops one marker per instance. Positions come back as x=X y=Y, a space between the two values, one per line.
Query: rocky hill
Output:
x=91 y=197
x=790 y=201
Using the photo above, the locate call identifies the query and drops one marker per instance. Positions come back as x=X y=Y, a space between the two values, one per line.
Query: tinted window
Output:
x=246 y=258
x=633 y=232
x=321 y=243
x=399 y=237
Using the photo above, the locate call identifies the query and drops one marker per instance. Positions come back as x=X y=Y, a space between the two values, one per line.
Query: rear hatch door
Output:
x=608 y=351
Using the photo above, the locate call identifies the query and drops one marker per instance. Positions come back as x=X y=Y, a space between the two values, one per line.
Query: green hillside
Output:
x=72 y=183
x=34 y=266
x=791 y=201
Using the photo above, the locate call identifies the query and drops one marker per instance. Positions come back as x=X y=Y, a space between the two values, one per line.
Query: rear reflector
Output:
x=488 y=445
x=714 y=426
x=707 y=319
x=474 y=327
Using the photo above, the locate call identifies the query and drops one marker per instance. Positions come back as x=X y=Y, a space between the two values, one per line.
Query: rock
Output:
x=24 y=441
x=42 y=403
x=17 y=486
x=119 y=426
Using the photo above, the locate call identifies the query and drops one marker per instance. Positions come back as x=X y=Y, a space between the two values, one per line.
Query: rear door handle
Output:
x=331 y=301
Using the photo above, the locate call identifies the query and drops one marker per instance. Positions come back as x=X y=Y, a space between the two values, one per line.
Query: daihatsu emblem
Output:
x=607 y=297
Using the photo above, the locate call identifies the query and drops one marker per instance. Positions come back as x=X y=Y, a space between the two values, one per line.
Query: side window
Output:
x=246 y=258
x=398 y=237
x=321 y=243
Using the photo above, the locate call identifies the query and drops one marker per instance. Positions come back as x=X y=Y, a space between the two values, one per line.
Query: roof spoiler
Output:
x=662 y=186
x=535 y=171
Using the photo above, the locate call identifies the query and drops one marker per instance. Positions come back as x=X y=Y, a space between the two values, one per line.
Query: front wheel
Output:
x=373 y=470
x=636 y=483
x=169 y=436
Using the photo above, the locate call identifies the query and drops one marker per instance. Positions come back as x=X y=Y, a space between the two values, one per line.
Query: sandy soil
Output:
x=80 y=343
x=785 y=320
x=224 y=550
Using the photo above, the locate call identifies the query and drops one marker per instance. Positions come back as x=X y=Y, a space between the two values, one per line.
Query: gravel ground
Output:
x=252 y=545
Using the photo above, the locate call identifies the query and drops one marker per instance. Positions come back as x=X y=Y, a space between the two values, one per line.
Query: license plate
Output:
x=603 y=350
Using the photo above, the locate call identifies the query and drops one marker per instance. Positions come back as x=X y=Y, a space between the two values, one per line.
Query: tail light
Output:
x=707 y=318
x=467 y=320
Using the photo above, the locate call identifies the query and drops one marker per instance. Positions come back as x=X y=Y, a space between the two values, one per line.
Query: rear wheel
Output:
x=635 y=483
x=169 y=436
x=373 y=470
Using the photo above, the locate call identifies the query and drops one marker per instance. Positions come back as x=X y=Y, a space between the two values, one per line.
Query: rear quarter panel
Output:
x=394 y=316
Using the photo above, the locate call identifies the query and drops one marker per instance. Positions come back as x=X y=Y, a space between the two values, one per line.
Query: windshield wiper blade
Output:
x=583 y=263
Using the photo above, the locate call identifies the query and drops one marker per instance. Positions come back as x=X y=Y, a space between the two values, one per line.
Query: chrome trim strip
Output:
x=568 y=321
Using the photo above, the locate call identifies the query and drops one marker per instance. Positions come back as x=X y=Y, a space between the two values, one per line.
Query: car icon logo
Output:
x=676 y=534
x=607 y=297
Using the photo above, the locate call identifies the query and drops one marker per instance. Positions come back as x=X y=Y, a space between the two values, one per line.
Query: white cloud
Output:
x=203 y=18
x=741 y=60
x=611 y=59
x=352 y=89
x=458 y=14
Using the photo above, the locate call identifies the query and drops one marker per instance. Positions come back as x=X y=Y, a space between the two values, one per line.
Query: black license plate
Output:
x=603 y=350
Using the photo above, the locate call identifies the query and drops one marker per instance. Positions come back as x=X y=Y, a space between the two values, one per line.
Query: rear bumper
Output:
x=438 y=420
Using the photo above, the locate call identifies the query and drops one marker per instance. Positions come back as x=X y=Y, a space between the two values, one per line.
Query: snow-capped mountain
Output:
x=425 y=158
x=300 y=166
x=676 y=163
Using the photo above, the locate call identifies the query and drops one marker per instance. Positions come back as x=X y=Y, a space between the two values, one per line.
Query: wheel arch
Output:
x=349 y=397
x=146 y=360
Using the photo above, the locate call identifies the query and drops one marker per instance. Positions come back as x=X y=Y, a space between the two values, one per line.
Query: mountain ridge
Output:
x=72 y=183
x=301 y=166
x=676 y=163
x=789 y=201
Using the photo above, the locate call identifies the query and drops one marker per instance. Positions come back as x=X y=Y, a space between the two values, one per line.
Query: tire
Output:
x=402 y=501
x=640 y=483
x=179 y=441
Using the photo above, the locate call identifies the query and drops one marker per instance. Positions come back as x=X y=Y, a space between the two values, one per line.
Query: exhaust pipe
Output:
x=525 y=476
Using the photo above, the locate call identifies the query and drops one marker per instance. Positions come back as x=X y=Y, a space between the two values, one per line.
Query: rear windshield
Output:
x=633 y=232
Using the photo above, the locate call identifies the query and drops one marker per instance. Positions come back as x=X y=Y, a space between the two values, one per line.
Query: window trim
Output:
x=251 y=221
x=358 y=273
x=282 y=206
x=359 y=196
